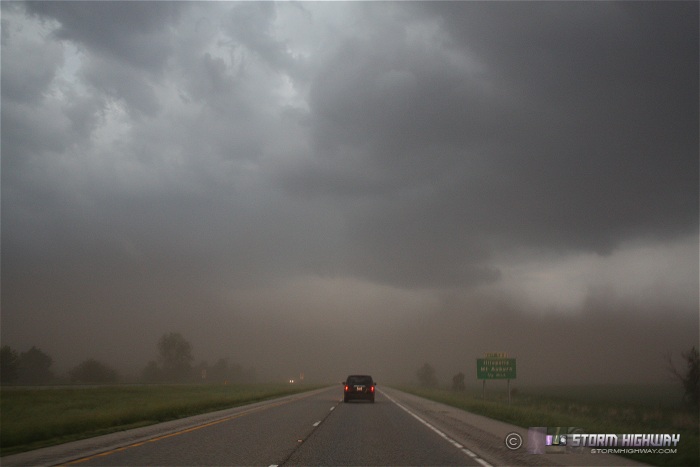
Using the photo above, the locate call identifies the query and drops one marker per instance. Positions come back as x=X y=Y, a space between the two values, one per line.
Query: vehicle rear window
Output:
x=367 y=380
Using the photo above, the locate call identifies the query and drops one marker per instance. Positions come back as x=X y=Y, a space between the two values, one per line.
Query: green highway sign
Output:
x=495 y=368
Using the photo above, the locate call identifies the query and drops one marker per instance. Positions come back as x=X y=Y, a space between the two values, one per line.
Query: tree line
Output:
x=427 y=377
x=172 y=365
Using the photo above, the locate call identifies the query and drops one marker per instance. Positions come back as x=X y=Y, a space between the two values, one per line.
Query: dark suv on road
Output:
x=359 y=387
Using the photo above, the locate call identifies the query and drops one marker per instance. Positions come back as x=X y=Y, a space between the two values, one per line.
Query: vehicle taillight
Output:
x=371 y=388
x=347 y=388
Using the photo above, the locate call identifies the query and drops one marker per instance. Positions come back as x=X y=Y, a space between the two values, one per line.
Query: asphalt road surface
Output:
x=314 y=428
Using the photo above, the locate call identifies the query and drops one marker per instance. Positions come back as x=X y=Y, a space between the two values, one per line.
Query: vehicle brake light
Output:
x=371 y=388
x=347 y=388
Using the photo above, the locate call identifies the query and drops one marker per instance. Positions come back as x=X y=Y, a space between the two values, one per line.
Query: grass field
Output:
x=34 y=418
x=597 y=409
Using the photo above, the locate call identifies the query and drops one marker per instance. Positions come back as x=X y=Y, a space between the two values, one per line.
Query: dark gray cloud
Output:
x=33 y=68
x=568 y=131
x=135 y=32
x=251 y=25
x=608 y=129
x=278 y=176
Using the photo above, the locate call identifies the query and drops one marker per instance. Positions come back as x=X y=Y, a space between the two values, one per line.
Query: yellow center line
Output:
x=182 y=432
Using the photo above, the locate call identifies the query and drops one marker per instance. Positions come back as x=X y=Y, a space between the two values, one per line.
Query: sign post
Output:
x=495 y=365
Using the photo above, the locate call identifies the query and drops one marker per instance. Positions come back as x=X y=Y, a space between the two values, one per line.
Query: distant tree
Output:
x=9 y=365
x=34 y=367
x=690 y=379
x=426 y=376
x=224 y=372
x=94 y=372
x=152 y=373
x=219 y=371
x=458 y=382
x=175 y=356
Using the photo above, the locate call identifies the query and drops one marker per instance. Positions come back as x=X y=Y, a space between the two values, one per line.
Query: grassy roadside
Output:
x=35 y=418
x=596 y=409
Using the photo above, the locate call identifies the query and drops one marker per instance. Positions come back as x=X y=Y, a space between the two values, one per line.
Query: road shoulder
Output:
x=486 y=437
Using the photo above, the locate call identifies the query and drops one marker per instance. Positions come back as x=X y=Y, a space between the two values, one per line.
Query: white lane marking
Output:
x=443 y=435
x=317 y=423
x=332 y=409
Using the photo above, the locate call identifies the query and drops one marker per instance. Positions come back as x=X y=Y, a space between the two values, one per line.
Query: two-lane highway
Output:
x=315 y=430
x=362 y=433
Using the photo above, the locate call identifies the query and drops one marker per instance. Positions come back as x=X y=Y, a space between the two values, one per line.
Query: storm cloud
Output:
x=283 y=182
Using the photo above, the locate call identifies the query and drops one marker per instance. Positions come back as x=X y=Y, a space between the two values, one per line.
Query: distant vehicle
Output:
x=359 y=387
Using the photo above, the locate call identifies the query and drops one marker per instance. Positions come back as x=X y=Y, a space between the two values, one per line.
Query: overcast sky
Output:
x=341 y=187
